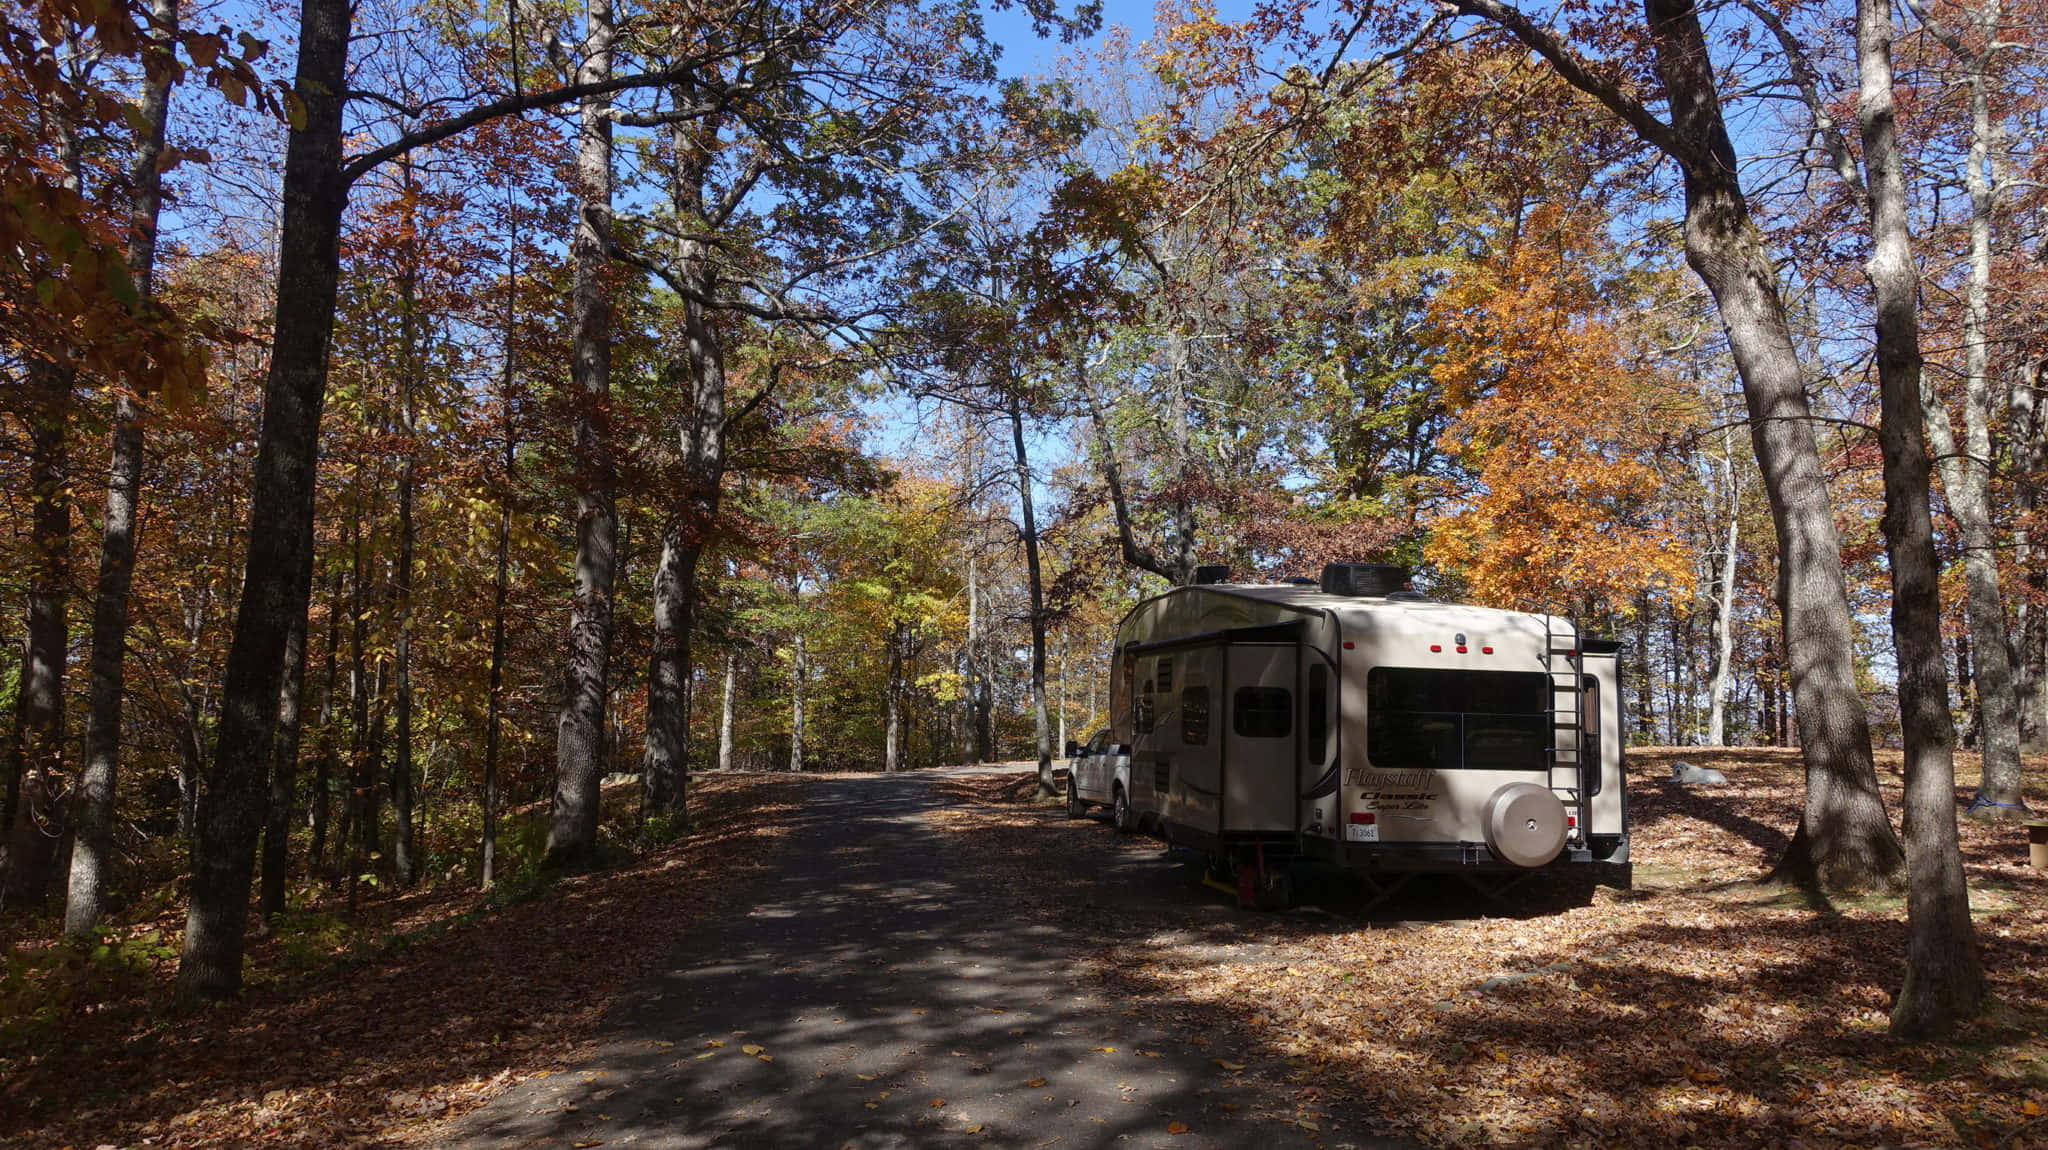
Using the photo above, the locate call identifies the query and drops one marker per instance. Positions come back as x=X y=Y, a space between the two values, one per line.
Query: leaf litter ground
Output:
x=1698 y=1009
x=433 y=1004
x=1695 y=1010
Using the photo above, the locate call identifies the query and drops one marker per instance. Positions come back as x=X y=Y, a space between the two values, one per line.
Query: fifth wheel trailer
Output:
x=1356 y=722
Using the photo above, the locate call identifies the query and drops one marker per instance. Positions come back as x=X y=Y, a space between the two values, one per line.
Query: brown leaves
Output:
x=507 y=996
x=1693 y=1010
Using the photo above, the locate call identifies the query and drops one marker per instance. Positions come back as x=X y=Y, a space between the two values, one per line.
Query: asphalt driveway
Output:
x=868 y=999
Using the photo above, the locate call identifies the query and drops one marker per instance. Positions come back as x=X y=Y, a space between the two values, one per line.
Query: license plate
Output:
x=1362 y=832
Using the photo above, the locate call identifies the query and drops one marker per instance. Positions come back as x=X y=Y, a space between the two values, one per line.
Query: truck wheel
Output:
x=1075 y=807
x=1120 y=813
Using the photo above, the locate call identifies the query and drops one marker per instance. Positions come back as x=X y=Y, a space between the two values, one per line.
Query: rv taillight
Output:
x=1571 y=820
x=1486 y=650
x=1461 y=650
x=1436 y=647
x=1364 y=817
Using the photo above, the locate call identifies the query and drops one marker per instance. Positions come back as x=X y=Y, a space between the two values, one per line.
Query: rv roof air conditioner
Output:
x=1375 y=580
x=1211 y=573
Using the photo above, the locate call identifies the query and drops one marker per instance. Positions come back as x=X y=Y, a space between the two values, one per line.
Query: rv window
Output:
x=1166 y=674
x=1589 y=753
x=1441 y=719
x=1194 y=716
x=1262 y=712
x=1318 y=721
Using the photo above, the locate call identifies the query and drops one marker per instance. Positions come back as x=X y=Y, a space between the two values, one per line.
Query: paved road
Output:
x=868 y=1000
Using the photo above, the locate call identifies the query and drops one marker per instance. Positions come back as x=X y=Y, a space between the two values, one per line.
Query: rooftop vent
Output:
x=1364 y=579
x=1211 y=573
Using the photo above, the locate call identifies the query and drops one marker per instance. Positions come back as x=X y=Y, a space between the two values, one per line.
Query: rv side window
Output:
x=1262 y=712
x=1318 y=721
x=1442 y=719
x=1589 y=749
x=1166 y=674
x=1194 y=716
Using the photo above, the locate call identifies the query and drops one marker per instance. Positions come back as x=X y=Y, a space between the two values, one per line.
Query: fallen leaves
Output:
x=488 y=997
x=1695 y=1010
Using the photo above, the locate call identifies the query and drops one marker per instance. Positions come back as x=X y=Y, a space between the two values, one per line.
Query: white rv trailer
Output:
x=1357 y=722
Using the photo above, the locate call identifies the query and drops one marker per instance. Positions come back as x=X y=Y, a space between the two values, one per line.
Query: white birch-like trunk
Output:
x=1724 y=619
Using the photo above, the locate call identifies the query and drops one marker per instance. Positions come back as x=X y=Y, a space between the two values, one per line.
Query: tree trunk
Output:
x=1180 y=437
x=581 y=740
x=402 y=850
x=325 y=760
x=1724 y=618
x=797 y=674
x=892 y=702
x=732 y=670
x=702 y=472
x=1966 y=476
x=277 y=827
x=1646 y=690
x=2028 y=431
x=1944 y=982
x=36 y=824
x=494 y=720
x=1035 y=575
x=117 y=531
x=1844 y=841
x=362 y=774
x=981 y=697
x=278 y=571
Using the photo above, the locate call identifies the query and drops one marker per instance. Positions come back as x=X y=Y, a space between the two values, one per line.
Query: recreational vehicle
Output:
x=1357 y=722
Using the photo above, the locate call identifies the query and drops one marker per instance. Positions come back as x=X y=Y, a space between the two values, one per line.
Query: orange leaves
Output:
x=1558 y=422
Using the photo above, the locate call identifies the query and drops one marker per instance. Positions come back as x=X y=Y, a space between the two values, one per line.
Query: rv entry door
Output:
x=1261 y=736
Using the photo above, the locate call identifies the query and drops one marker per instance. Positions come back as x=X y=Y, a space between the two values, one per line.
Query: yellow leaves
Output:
x=750 y=1048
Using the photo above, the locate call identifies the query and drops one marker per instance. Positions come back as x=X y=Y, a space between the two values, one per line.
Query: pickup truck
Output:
x=1099 y=774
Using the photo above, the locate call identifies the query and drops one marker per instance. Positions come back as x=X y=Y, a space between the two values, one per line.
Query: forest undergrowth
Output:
x=1697 y=1009
x=360 y=1027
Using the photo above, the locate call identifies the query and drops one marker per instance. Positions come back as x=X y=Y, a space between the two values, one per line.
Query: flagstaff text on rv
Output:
x=1357 y=722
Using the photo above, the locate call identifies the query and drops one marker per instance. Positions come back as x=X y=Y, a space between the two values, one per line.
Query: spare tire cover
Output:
x=1525 y=824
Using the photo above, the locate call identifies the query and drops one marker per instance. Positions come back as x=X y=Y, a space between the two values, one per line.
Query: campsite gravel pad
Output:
x=866 y=1000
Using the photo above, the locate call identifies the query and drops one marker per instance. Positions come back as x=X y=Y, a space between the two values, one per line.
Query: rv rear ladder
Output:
x=1565 y=662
